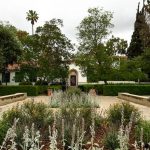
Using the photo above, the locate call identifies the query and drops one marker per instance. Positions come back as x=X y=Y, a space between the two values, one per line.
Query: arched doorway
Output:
x=73 y=78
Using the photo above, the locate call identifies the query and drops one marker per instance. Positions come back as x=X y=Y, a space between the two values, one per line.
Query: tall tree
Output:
x=29 y=57
x=10 y=47
x=54 y=51
x=141 y=36
x=33 y=17
x=92 y=54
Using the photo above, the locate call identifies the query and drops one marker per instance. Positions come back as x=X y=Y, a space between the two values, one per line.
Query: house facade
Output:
x=75 y=76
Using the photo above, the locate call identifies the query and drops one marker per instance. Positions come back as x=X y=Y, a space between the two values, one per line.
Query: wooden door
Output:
x=73 y=80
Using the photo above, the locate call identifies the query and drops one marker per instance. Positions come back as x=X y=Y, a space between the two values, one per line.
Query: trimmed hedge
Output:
x=86 y=88
x=106 y=90
x=113 y=90
x=29 y=89
x=55 y=87
x=43 y=88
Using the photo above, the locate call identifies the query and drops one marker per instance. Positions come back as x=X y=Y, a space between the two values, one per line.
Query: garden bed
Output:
x=76 y=123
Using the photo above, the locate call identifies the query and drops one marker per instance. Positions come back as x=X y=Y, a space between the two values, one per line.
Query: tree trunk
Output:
x=32 y=30
x=105 y=81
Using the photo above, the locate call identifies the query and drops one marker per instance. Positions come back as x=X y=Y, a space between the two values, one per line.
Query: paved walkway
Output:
x=104 y=101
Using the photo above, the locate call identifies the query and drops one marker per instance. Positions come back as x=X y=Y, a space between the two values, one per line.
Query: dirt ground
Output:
x=104 y=102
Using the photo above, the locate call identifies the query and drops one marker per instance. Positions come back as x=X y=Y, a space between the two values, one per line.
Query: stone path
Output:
x=104 y=101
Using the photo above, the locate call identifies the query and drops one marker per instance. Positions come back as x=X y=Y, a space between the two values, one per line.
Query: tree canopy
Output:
x=55 y=50
x=10 y=45
x=141 y=36
x=95 y=55
x=46 y=53
x=33 y=17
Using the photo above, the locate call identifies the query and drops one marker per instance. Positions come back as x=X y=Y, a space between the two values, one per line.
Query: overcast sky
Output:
x=71 y=12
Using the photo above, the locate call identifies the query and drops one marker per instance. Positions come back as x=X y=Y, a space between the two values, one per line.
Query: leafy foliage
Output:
x=10 y=46
x=141 y=35
x=115 y=113
x=95 y=57
x=29 y=89
x=116 y=46
x=113 y=90
x=145 y=61
x=92 y=56
x=111 y=142
x=33 y=17
x=145 y=126
x=56 y=48
x=28 y=113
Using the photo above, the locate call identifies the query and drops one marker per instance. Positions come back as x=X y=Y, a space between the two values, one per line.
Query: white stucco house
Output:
x=75 y=76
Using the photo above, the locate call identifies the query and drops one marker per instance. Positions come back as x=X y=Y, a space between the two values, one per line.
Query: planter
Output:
x=49 y=92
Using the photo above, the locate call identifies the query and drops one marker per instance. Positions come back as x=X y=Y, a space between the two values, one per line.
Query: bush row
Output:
x=86 y=88
x=113 y=90
x=29 y=89
x=107 y=90
x=43 y=88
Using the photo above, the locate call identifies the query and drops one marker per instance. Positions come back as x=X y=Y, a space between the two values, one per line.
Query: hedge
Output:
x=106 y=90
x=43 y=88
x=113 y=90
x=86 y=88
x=29 y=89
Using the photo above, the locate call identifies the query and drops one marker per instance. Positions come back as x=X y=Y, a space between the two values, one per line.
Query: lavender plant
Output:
x=64 y=99
x=9 y=140
x=31 y=140
x=53 y=139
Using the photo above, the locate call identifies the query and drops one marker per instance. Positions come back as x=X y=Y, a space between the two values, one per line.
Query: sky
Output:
x=71 y=12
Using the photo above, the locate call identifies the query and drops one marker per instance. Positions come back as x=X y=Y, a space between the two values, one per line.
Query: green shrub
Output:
x=25 y=83
x=113 y=90
x=42 y=89
x=111 y=140
x=28 y=113
x=115 y=113
x=73 y=91
x=55 y=87
x=145 y=125
x=87 y=87
x=29 y=89
x=41 y=82
x=3 y=130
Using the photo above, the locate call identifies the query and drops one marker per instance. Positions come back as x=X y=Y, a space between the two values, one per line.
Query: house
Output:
x=75 y=76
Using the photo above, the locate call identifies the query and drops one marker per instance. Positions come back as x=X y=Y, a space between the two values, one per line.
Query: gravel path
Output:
x=104 y=101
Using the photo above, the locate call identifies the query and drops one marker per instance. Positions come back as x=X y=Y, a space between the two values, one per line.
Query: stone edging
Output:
x=142 y=100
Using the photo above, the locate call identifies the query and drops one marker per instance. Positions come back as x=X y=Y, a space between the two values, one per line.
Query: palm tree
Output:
x=33 y=17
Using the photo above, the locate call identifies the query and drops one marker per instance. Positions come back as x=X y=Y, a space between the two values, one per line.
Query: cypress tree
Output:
x=141 y=36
